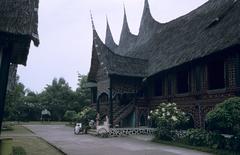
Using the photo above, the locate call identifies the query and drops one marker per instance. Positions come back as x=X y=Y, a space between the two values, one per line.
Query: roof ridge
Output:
x=124 y=56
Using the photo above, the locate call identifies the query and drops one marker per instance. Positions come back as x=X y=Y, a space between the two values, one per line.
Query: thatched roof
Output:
x=19 y=22
x=211 y=28
x=204 y=31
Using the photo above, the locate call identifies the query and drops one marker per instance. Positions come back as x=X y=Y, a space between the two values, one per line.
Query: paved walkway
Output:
x=62 y=137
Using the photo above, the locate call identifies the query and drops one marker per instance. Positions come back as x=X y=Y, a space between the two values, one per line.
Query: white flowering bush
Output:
x=167 y=116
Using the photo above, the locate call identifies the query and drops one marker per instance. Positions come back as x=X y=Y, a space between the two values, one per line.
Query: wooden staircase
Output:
x=122 y=112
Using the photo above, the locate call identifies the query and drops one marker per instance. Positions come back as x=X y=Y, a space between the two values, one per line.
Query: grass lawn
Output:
x=17 y=130
x=23 y=138
x=198 y=148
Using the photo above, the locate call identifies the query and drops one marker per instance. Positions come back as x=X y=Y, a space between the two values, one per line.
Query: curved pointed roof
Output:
x=109 y=41
x=148 y=24
x=125 y=29
x=112 y=62
x=94 y=59
x=127 y=39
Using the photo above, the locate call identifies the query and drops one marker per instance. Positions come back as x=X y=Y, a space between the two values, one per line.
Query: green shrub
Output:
x=216 y=141
x=164 y=134
x=201 y=137
x=70 y=116
x=225 y=118
x=196 y=137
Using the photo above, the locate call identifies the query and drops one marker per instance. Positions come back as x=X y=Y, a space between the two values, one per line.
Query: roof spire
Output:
x=96 y=38
x=109 y=41
x=146 y=17
x=125 y=22
x=93 y=26
x=125 y=34
x=146 y=4
x=148 y=23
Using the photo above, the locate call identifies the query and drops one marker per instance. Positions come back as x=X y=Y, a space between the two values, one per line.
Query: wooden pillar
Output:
x=199 y=86
x=110 y=104
x=205 y=79
x=5 y=55
x=196 y=80
x=98 y=105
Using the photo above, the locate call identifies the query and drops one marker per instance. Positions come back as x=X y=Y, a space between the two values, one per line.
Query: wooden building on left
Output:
x=18 y=27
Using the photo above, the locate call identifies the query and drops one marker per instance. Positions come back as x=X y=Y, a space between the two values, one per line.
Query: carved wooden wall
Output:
x=199 y=102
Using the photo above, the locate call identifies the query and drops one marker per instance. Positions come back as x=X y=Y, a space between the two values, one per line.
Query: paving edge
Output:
x=28 y=129
x=54 y=146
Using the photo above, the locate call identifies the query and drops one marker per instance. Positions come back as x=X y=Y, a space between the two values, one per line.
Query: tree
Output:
x=24 y=104
x=83 y=94
x=57 y=98
x=14 y=101
x=31 y=99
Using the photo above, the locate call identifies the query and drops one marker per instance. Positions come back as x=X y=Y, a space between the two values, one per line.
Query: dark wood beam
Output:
x=4 y=71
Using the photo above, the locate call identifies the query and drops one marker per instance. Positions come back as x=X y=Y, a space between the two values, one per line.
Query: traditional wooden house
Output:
x=193 y=61
x=18 y=27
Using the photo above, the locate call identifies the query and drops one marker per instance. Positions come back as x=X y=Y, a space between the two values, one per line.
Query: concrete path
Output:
x=62 y=137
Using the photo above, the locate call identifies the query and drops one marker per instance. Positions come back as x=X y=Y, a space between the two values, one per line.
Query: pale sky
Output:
x=66 y=34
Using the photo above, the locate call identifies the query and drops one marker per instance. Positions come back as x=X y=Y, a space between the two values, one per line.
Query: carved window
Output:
x=216 y=79
x=182 y=81
x=103 y=99
x=158 y=86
